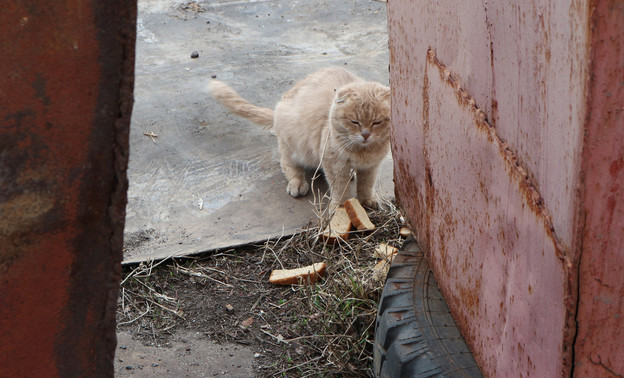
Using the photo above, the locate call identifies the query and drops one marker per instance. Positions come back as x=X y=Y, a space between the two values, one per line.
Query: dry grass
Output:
x=325 y=329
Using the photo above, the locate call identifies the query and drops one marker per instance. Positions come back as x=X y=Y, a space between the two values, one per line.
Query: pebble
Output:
x=194 y=54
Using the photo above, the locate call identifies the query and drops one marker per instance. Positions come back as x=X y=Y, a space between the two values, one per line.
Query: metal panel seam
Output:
x=529 y=190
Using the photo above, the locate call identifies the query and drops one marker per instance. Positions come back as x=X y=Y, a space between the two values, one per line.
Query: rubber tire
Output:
x=415 y=334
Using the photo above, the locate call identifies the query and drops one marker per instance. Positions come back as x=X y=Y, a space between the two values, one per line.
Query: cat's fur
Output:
x=332 y=119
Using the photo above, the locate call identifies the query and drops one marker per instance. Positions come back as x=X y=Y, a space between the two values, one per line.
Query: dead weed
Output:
x=325 y=329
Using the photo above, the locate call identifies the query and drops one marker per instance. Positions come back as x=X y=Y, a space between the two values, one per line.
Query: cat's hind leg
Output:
x=295 y=175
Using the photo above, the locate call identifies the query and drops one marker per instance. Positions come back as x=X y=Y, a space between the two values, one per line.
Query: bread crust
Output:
x=306 y=274
x=358 y=216
x=339 y=226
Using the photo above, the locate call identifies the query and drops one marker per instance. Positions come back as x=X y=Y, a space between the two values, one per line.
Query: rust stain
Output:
x=397 y=315
x=521 y=175
x=430 y=192
x=600 y=218
x=616 y=167
x=518 y=170
x=64 y=139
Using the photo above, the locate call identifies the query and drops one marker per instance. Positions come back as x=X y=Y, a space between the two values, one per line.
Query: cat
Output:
x=332 y=119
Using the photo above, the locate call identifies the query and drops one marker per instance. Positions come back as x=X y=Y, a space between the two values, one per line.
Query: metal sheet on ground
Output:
x=201 y=179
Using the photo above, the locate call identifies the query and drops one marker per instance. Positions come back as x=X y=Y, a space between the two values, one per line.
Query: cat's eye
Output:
x=355 y=122
x=377 y=123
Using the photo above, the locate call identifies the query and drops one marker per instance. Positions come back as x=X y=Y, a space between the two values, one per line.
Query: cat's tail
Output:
x=239 y=106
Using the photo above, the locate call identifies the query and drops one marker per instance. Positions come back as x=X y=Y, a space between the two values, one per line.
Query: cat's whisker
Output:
x=350 y=143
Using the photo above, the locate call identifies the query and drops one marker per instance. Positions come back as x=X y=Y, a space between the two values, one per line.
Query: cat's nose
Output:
x=365 y=135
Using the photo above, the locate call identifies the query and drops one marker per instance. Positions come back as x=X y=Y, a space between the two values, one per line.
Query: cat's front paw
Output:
x=370 y=203
x=297 y=188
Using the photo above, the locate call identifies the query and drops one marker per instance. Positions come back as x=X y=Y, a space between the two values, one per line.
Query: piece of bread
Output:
x=339 y=226
x=405 y=232
x=358 y=215
x=383 y=251
x=380 y=270
x=307 y=274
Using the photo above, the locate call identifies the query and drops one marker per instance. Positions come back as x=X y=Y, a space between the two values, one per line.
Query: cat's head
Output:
x=361 y=114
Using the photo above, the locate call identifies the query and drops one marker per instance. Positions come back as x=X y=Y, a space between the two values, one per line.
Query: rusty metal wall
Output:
x=599 y=347
x=490 y=105
x=65 y=104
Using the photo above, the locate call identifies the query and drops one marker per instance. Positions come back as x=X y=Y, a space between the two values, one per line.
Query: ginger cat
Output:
x=332 y=119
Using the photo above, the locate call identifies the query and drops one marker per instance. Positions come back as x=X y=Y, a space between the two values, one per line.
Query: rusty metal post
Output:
x=599 y=346
x=65 y=102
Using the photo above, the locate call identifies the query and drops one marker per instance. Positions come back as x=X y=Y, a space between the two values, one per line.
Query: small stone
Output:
x=194 y=54
x=154 y=365
x=229 y=307
x=214 y=77
x=129 y=367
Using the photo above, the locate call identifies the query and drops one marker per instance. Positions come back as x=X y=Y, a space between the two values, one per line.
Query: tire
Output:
x=415 y=335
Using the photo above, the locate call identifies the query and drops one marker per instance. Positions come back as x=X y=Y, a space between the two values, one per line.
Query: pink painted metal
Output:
x=490 y=105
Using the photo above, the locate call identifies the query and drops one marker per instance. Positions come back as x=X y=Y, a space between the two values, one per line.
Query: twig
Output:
x=137 y=318
x=297 y=366
x=316 y=336
x=197 y=274
x=278 y=338
x=256 y=303
x=164 y=307
x=152 y=135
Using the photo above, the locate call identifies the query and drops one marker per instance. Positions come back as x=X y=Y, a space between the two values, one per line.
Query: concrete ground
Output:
x=189 y=355
x=201 y=179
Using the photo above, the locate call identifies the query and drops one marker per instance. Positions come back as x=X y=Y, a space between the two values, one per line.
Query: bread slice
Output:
x=383 y=251
x=307 y=274
x=339 y=226
x=358 y=215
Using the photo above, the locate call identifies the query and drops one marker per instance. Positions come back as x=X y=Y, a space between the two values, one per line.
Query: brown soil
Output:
x=323 y=329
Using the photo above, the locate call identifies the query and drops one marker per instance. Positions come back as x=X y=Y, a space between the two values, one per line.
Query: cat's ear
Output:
x=342 y=94
x=384 y=92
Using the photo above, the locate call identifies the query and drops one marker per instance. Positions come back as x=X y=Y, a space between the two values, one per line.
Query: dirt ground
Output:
x=257 y=328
